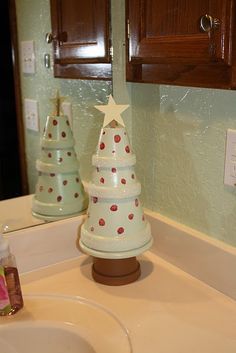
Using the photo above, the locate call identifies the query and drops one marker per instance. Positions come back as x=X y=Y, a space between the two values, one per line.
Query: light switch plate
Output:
x=31 y=114
x=28 y=57
x=230 y=158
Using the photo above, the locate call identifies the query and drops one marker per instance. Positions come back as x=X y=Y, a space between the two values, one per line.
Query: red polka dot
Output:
x=50 y=190
x=98 y=169
x=50 y=135
x=120 y=230
x=123 y=181
x=63 y=134
x=95 y=199
x=102 y=146
x=102 y=180
x=131 y=216
x=102 y=222
x=65 y=182
x=114 y=208
x=117 y=138
x=76 y=195
x=143 y=217
x=127 y=149
x=113 y=170
x=113 y=151
x=136 y=202
x=59 y=198
x=52 y=174
x=103 y=132
x=54 y=122
x=49 y=155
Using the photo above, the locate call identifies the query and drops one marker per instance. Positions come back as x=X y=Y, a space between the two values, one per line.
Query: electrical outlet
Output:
x=28 y=57
x=31 y=114
x=67 y=110
x=230 y=158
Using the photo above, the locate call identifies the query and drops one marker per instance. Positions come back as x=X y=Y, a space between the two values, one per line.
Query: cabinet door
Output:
x=167 y=44
x=81 y=38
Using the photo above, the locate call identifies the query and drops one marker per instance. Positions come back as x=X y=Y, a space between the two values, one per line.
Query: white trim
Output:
x=57 y=168
x=116 y=247
x=116 y=255
x=205 y=258
x=53 y=144
x=110 y=192
x=108 y=162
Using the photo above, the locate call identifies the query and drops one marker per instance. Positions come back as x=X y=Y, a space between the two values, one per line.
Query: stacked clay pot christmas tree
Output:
x=59 y=191
x=116 y=230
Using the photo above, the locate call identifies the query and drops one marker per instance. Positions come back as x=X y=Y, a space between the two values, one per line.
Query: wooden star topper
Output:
x=57 y=102
x=112 y=112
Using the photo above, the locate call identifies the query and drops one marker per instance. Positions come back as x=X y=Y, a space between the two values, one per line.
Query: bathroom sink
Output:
x=41 y=337
x=62 y=324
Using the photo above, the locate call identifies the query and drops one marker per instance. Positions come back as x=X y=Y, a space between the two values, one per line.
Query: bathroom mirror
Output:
x=30 y=21
x=16 y=214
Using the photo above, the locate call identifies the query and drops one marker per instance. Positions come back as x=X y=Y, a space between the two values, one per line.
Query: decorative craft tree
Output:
x=59 y=191
x=115 y=230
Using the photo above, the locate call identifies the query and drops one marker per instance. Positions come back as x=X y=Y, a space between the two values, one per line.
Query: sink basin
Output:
x=42 y=337
x=59 y=324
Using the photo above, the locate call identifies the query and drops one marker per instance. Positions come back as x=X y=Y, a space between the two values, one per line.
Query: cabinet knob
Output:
x=208 y=23
x=62 y=37
x=49 y=38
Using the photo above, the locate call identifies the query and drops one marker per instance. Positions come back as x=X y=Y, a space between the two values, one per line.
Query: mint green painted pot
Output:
x=59 y=191
x=116 y=226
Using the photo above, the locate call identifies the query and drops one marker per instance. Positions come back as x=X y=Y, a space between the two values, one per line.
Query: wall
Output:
x=33 y=20
x=181 y=157
x=178 y=133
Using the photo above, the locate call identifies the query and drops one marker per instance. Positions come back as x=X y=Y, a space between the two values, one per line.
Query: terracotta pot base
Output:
x=115 y=272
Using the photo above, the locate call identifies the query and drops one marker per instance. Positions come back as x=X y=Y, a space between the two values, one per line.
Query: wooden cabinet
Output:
x=167 y=43
x=81 y=38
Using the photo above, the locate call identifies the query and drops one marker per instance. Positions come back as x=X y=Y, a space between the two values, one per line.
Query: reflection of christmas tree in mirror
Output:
x=116 y=228
x=59 y=191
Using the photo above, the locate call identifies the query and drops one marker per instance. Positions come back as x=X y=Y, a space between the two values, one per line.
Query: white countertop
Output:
x=16 y=214
x=165 y=311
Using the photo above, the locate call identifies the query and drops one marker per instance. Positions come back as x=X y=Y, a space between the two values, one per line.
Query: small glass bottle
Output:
x=10 y=290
